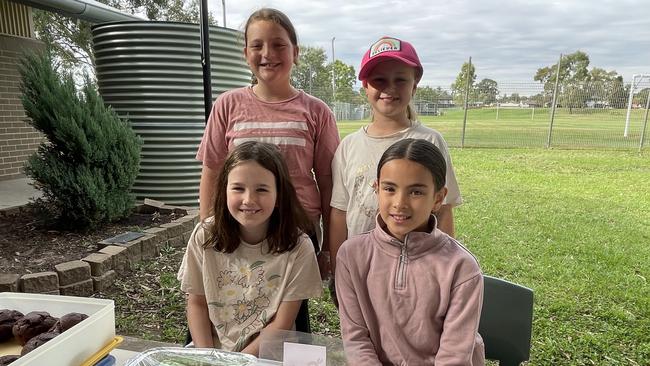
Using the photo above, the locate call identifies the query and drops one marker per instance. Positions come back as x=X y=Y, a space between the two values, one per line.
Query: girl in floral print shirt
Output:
x=250 y=265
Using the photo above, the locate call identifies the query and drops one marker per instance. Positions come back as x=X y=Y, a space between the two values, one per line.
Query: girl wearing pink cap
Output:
x=390 y=72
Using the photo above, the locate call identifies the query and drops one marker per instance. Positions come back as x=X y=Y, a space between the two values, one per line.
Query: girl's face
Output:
x=251 y=195
x=407 y=197
x=269 y=52
x=390 y=87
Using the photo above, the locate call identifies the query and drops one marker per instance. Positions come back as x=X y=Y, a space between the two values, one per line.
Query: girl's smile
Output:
x=251 y=196
x=399 y=218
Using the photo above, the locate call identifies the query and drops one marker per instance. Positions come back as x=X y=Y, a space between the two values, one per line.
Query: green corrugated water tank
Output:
x=150 y=73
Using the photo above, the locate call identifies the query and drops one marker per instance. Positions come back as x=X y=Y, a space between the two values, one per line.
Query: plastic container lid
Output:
x=178 y=356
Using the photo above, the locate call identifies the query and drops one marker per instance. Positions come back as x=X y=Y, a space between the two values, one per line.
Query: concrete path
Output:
x=16 y=192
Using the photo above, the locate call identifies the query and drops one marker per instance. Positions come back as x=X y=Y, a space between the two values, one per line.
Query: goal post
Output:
x=636 y=81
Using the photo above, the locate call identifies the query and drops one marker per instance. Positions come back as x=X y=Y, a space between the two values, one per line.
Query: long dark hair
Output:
x=288 y=220
x=422 y=152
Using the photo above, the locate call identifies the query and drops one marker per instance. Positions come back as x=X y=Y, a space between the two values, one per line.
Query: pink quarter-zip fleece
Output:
x=416 y=302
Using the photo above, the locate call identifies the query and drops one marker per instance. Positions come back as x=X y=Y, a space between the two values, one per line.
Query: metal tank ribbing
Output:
x=150 y=73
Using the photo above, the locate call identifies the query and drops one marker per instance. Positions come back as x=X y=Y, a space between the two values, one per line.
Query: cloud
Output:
x=508 y=40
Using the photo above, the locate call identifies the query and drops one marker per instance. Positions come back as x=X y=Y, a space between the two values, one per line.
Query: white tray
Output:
x=74 y=346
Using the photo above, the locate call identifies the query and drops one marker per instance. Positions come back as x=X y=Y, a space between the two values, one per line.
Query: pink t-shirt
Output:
x=303 y=127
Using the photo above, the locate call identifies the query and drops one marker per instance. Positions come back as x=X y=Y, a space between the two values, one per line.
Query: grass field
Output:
x=575 y=227
x=584 y=128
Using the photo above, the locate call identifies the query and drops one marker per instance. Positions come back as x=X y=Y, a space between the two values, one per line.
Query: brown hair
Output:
x=275 y=16
x=411 y=114
x=288 y=220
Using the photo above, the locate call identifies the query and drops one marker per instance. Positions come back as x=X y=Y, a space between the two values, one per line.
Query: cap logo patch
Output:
x=385 y=45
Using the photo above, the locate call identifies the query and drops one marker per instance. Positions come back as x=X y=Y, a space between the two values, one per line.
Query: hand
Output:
x=324 y=265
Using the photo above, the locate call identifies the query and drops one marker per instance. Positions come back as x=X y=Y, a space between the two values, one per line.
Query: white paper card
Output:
x=296 y=354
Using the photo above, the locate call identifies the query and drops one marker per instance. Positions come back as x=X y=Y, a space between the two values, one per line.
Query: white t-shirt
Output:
x=354 y=171
x=244 y=288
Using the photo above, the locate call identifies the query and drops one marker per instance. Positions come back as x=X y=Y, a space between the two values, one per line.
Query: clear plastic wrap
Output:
x=176 y=356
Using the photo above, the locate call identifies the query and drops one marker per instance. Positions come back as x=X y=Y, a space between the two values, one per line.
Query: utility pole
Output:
x=557 y=83
x=467 y=77
x=223 y=4
x=333 y=72
x=205 y=58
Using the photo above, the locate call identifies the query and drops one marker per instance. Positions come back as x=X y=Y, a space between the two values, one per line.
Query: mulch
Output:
x=29 y=245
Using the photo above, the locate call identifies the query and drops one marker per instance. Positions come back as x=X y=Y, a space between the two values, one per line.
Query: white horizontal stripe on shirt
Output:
x=277 y=140
x=240 y=126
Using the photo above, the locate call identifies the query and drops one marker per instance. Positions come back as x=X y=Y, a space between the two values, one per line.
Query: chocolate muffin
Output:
x=31 y=325
x=6 y=360
x=68 y=321
x=37 y=341
x=7 y=320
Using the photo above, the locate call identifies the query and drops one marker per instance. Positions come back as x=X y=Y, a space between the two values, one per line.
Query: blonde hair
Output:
x=411 y=114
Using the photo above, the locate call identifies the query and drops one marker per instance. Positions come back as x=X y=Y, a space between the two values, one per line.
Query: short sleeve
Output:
x=190 y=273
x=453 y=197
x=340 y=194
x=327 y=140
x=303 y=280
x=214 y=146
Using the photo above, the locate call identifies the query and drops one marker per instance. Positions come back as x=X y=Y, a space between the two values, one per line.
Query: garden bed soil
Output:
x=30 y=246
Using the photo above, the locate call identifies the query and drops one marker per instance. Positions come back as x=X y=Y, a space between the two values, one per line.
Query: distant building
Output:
x=18 y=140
x=432 y=107
x=516 y=105
x=597 y=104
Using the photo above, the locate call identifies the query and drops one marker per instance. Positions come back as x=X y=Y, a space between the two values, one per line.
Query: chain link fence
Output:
x=526 y=114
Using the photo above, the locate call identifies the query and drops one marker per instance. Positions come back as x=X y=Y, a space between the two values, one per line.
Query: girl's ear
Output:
x=375 y=185
x=415 y=88
x=438 y=198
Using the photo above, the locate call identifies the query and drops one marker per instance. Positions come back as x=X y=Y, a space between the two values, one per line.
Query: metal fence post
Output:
x=557 y=82
x=469 y=68
x=645 y=122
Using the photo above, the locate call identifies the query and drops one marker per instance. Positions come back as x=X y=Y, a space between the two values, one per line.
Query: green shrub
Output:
x=90 y=158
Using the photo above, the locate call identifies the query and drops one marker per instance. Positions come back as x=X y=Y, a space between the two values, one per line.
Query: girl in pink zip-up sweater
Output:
x=409 y=294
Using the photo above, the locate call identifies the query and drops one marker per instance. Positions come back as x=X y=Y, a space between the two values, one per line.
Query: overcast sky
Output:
x=507 y=40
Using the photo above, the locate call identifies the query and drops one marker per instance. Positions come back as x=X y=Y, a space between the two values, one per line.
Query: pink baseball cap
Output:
x=389 y=48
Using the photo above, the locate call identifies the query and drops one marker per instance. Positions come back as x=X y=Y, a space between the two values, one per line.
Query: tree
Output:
x=578 y=83
x=429 y=94
x=487 y=90
x=458 y=87
x=311 y=73
x=573 y=68
x=640 y=98
x=90 y=158
x=70 y=40
x=344 y=79
x=314 y=75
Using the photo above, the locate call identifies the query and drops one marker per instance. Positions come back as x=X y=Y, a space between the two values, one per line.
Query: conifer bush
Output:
x=90 y=157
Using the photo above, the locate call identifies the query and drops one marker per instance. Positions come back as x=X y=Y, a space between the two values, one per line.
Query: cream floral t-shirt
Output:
x=244 y=288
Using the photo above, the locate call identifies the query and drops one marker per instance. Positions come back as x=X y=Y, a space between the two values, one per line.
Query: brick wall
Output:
x=18 y=139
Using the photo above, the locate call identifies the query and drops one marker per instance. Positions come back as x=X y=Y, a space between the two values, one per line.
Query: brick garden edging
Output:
x=98 y=271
